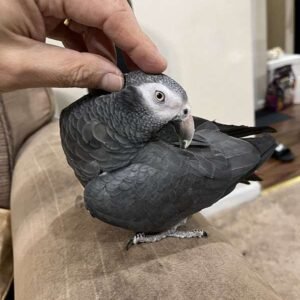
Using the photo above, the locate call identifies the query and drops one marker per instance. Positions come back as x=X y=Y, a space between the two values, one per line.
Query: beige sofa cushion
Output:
x=6 y=266
x=61 y=252
x=22 y=112
x=271 y=235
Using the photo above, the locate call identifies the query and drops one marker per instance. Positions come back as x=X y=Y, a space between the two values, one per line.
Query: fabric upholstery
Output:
x=21 y=113
x=61 y=252
x=271 y=236
x=6 y=256
x=5 y=159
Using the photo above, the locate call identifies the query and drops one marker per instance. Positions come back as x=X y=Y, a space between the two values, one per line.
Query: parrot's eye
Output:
x=160 y=96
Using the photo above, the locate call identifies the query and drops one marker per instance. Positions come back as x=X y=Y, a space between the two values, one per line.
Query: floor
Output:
x=288 y=133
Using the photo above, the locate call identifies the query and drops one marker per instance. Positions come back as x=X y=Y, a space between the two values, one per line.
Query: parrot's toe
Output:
x=189 y=234
x=136 y=239
x=201 y=233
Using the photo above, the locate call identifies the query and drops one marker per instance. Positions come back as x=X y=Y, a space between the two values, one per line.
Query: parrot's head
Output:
x=164 y=100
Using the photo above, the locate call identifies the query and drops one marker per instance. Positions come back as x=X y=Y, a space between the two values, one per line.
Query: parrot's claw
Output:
x=143 y=238
x=129 y=244
x=136 y=239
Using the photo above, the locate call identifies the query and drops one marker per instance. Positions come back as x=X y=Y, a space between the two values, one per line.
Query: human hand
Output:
x=95 y=27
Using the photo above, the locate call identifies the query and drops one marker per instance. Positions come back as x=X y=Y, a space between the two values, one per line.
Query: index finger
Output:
x=116 y=19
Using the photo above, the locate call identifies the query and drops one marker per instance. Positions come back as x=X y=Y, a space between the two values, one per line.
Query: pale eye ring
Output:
x=160 y=96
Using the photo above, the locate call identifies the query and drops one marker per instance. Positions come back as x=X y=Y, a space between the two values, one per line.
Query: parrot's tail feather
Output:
x=265 y=144
x=243 y=131
x=237 y=131
x=252 y=177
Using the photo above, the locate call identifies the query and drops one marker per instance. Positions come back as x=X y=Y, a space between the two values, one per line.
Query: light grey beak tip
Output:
x=186 y=143
x=186 y=131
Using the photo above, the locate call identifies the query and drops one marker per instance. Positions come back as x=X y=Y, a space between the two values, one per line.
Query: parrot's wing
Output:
x=235 y=130
x=90 y=146
x=157 y=189
x=123 y=197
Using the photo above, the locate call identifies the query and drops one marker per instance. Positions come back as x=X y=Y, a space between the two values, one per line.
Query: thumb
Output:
x=40 y=64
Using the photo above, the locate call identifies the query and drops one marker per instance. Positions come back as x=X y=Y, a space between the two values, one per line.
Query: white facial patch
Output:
x=167 y=109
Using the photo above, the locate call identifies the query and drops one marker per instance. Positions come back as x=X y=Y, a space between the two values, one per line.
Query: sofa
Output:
x=54 y=249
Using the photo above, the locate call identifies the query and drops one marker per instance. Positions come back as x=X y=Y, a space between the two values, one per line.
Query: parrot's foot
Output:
x=143 y=238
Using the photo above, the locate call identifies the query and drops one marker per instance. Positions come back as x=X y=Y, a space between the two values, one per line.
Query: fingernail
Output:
x=112 y=82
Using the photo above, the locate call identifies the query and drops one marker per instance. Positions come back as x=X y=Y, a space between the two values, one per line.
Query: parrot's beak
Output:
x=185 y=129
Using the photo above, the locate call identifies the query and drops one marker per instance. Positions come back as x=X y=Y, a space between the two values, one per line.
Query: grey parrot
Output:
x=144 y=166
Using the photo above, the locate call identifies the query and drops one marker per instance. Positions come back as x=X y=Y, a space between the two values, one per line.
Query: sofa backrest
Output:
x=22 y=112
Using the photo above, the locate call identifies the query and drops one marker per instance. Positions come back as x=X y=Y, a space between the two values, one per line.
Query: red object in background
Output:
x=280 y=93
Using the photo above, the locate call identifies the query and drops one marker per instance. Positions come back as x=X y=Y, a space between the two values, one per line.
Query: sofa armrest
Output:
x=61 y=252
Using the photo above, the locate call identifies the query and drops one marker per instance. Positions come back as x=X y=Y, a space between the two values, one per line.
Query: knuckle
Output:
x=117 y=17
x=78 y=75
x=117 y=5
x=112 y=10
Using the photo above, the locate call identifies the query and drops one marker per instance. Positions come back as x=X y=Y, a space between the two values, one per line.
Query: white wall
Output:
x=209 y=46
